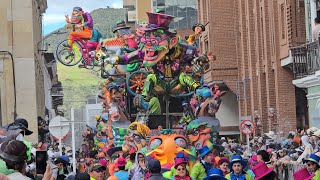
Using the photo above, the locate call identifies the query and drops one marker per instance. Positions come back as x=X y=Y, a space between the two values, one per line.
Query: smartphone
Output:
x=41 y=161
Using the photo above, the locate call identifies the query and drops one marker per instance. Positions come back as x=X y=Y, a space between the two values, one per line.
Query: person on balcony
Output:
x=316 y=29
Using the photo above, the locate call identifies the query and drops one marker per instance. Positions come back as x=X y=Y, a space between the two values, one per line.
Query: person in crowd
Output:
x=97 y=172
x=263 y=172
x=223 y=165
x=19 y=129
x=264 y=156
x=253 y=161
x=180 y=165
x=215 y=174
x=62 y=172
x=237 y=166
x=138 y=170
x=121 y=174
x=15 y=154
x=82 y=176
x=130 y=163
x=303 y=174
x=308 y=149
x=313 y=165
x=154 y=167
x=316 y=29
x=200 y=169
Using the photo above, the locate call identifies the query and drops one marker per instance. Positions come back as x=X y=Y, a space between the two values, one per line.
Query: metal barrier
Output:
x=286 y=172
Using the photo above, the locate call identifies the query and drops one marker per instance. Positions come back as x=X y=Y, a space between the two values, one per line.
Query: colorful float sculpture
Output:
x=136 y=138
x=158 y=66
x=165 y=144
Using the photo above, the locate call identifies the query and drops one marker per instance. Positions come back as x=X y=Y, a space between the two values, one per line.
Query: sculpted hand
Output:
x=112 y=60
x=67 y=18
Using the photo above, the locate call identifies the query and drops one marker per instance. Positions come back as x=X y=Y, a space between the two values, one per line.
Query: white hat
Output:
x=223 y=138
x=317 y=133
x=311 y=130
x=271 y=135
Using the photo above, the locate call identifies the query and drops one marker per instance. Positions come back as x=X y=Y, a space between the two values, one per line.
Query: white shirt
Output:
x=17 y=176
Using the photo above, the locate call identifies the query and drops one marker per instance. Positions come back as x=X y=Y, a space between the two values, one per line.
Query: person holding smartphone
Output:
x=14 y=154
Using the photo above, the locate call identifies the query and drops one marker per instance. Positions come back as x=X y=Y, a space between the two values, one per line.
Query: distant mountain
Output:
x=80 y=83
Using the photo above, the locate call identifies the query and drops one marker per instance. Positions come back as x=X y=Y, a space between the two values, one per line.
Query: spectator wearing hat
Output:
x=308 y=149
x=263 y=172
x=180 y=165
x=121 y=164
x=18 y=129
x=215 y=174
x=198 y=28
x=154 y=167
x=303 y=174
x=97 y=172
x=253 y=161
x=313 y=165
x=62 y=172
x=200 y=169
x=223 y=165
x=237 y=165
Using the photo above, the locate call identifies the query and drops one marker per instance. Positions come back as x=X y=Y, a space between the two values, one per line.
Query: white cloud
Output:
x=57 y=9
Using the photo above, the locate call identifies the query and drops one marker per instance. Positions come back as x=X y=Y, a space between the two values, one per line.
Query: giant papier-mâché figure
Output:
x=136 y=139
x=164 y=58
x=165 y=144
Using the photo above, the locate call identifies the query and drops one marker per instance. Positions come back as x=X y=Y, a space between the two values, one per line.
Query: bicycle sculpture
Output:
x=81 y=43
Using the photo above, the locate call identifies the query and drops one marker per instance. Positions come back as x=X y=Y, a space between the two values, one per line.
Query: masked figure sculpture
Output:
x=124 y=42
x=197 y=29
x=199 y=134
x=136 y=138
x=165 y=144
x=164 y=57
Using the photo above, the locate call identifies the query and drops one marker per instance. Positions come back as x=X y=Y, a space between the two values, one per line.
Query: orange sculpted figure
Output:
x=165 y=144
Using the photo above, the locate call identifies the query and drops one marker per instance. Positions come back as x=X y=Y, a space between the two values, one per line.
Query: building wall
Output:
x=246 y=37
x=21 y=30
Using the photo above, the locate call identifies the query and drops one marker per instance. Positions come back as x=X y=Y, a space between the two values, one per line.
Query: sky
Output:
x=54 y=17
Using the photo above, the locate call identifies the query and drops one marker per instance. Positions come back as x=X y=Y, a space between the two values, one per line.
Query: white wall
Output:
x=91 y=111
x=228 y=113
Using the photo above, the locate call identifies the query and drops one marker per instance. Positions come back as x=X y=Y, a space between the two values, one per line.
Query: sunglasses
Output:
x=181 y=169
x=98 y=170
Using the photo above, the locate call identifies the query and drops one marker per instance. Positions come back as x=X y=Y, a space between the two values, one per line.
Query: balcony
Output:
x=306 y=60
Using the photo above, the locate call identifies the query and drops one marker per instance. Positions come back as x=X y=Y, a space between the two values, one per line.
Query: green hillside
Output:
x=80 y=83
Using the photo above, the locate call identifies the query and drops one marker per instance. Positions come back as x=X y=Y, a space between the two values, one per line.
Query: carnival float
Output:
x=155 y=99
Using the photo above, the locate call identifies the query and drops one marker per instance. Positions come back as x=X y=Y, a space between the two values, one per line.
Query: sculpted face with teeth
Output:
x=156 y=44
x=136 y=138
x=199 y=135
x=165 y=144
x=76 y=17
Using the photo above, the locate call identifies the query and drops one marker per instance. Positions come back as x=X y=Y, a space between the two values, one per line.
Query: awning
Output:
x=229 y=133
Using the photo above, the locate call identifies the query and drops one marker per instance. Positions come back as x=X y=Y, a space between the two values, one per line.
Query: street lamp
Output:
x=45 y=37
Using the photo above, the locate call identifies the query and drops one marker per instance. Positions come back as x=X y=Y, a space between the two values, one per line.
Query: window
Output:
x=161 y=3
x=282 y=21
x=204 y=7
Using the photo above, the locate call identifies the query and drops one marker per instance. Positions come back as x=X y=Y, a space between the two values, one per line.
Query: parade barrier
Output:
x=286 y=172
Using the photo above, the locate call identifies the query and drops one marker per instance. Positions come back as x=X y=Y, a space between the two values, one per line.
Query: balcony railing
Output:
x=306 y=60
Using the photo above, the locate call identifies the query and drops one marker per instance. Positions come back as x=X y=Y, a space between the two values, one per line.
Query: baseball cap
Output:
x=97 y=167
